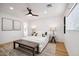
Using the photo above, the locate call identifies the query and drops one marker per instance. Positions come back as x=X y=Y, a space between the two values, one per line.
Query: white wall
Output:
x=7 y=36
x=72 y=35
x=72 y=42
x=43 y=25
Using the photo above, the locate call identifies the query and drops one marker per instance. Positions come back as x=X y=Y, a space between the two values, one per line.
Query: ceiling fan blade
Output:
x=28 y=9
x=34 y=15
x=30 y=12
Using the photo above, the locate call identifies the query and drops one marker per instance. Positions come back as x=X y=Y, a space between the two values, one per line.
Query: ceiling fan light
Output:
x=29 y=15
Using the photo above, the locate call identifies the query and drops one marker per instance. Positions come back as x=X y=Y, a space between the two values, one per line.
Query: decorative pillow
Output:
x=33 y=34
x=39 y=33
x=43 y=35
x=36 y=34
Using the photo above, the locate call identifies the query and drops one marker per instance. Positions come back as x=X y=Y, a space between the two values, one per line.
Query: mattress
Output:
x=42 y=41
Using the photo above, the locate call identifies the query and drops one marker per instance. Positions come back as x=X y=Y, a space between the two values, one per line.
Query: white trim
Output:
x=72 y=9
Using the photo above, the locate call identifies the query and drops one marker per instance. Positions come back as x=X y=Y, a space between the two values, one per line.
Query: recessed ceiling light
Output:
x=50 y=5
x=45 y=12
x=11 y=8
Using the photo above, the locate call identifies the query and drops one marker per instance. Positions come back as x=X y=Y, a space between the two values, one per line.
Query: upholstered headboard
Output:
x=39 y=33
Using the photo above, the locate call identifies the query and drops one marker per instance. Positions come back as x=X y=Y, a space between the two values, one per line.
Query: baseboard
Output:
x=5 y=42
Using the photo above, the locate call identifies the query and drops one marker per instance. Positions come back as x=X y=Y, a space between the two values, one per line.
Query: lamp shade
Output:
x=34 y=26
x=52 y=28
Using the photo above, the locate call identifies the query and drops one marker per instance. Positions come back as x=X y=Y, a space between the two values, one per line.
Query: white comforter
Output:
x=42 y=41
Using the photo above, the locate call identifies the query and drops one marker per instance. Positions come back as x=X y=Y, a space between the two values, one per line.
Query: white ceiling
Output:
x=20 y=10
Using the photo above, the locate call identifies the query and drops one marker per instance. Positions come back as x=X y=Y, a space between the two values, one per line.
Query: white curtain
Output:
x=25 y=29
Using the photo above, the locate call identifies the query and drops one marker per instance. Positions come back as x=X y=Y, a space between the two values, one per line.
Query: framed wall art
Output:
x=16 y=25
x=7 y=24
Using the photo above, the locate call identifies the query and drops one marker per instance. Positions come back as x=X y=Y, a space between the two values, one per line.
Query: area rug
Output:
x=9 y=51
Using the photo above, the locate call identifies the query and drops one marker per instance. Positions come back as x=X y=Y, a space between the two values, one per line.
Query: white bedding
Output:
x=42 y=41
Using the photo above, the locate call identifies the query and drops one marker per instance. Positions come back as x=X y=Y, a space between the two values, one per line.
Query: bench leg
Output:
x=33 y=51
x=19 y=45
x=14 y=45
x=37 y=49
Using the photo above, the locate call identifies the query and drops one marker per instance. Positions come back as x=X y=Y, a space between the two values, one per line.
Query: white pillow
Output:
x=39 y=33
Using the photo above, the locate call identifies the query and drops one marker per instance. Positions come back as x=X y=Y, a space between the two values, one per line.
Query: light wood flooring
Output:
x=60 y=49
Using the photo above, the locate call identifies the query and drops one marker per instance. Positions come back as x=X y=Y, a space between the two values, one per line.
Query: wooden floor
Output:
x=60 y=49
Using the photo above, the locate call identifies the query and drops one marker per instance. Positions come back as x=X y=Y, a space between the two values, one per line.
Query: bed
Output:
x=42 y=41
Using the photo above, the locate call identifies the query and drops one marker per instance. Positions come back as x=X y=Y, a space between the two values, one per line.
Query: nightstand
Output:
x=53 y=39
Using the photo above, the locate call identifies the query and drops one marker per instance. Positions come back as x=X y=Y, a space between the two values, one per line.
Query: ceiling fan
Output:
x=30 y=12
